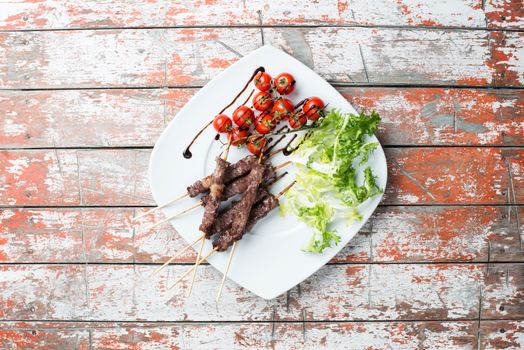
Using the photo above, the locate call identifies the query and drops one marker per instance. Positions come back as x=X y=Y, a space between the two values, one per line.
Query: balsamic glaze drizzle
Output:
x=287 y=151
x=187 y=153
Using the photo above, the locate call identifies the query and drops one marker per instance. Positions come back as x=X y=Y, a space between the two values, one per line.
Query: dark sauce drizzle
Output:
x=268 y=150
x=287 y=151
x=301 y=103
x=187 y=153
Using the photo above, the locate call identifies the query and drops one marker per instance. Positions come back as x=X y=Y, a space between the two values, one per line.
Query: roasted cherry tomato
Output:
x=262 y=81
x=312 y=106
x=262 y=101
x=282 y=108
x=238 y=136
x=297 y=120
x=243 y=117
x=285 y=83
x=265 y=123
x=255 y=144
x=222 y=123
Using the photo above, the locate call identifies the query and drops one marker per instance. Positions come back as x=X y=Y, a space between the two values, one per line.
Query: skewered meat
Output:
x=215 y=195
x=259 y=211
x=242 y=167
x=245 y=204
x=225 y=219
x=240 y=184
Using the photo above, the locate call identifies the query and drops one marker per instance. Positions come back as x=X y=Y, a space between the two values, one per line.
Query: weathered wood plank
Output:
x=35 y=338
x=120 y=57
x=363 y=55
x=508 y=335
x=394 y=234
x=504 y=14
x=118 y=177
x=336 y=292
x=93 y=14
x=289 y=336
x=443 y=116
x=455 y=175
x=181 y=57
x=503 y=295
x=121 y=118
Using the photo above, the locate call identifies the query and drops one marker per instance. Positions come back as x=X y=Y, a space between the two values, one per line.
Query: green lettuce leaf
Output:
x=332 y=155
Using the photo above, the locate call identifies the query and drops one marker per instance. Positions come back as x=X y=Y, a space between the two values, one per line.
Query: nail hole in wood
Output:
x=502 y=330
x=25 y=18
x=501 y=308
x=33 y=332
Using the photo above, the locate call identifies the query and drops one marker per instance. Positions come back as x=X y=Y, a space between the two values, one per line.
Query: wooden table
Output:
x=87 y=88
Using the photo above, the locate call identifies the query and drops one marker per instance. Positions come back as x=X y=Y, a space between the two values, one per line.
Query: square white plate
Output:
x=268 y=261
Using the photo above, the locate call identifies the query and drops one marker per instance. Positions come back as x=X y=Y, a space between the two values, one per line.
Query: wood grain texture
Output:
x=289 y=336
x=24 y=15
x=92 y=14
x=335 y=292
x=394 y=234
x=503 y=296
x=507 y=335
x=119 y=177
x=181 y=57
x=504 y=14
x=122 y=118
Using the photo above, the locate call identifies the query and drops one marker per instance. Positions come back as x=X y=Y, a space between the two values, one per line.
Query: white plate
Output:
x=268 y=261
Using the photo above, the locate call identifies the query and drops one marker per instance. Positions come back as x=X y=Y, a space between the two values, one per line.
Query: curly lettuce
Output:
x=330 y=163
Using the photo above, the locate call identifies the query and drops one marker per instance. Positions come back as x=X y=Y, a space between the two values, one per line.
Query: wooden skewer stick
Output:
x=271 y=154
x=176 y=255
x=283 y=165
x=172 y=216
x=192 y=268
x=227 y=271
x=285 y=190
x=204 y=241
x=161 y=206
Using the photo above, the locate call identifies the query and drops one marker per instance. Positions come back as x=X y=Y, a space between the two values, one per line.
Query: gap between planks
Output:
x=152 y=264
x=147 y=324
x=290 y=26
x=331 y=82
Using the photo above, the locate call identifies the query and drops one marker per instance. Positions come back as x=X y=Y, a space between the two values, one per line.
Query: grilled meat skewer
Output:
x=215 y=191
x=242 y=167
x=259 y=211
x=240 y=184
x=245 y=204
